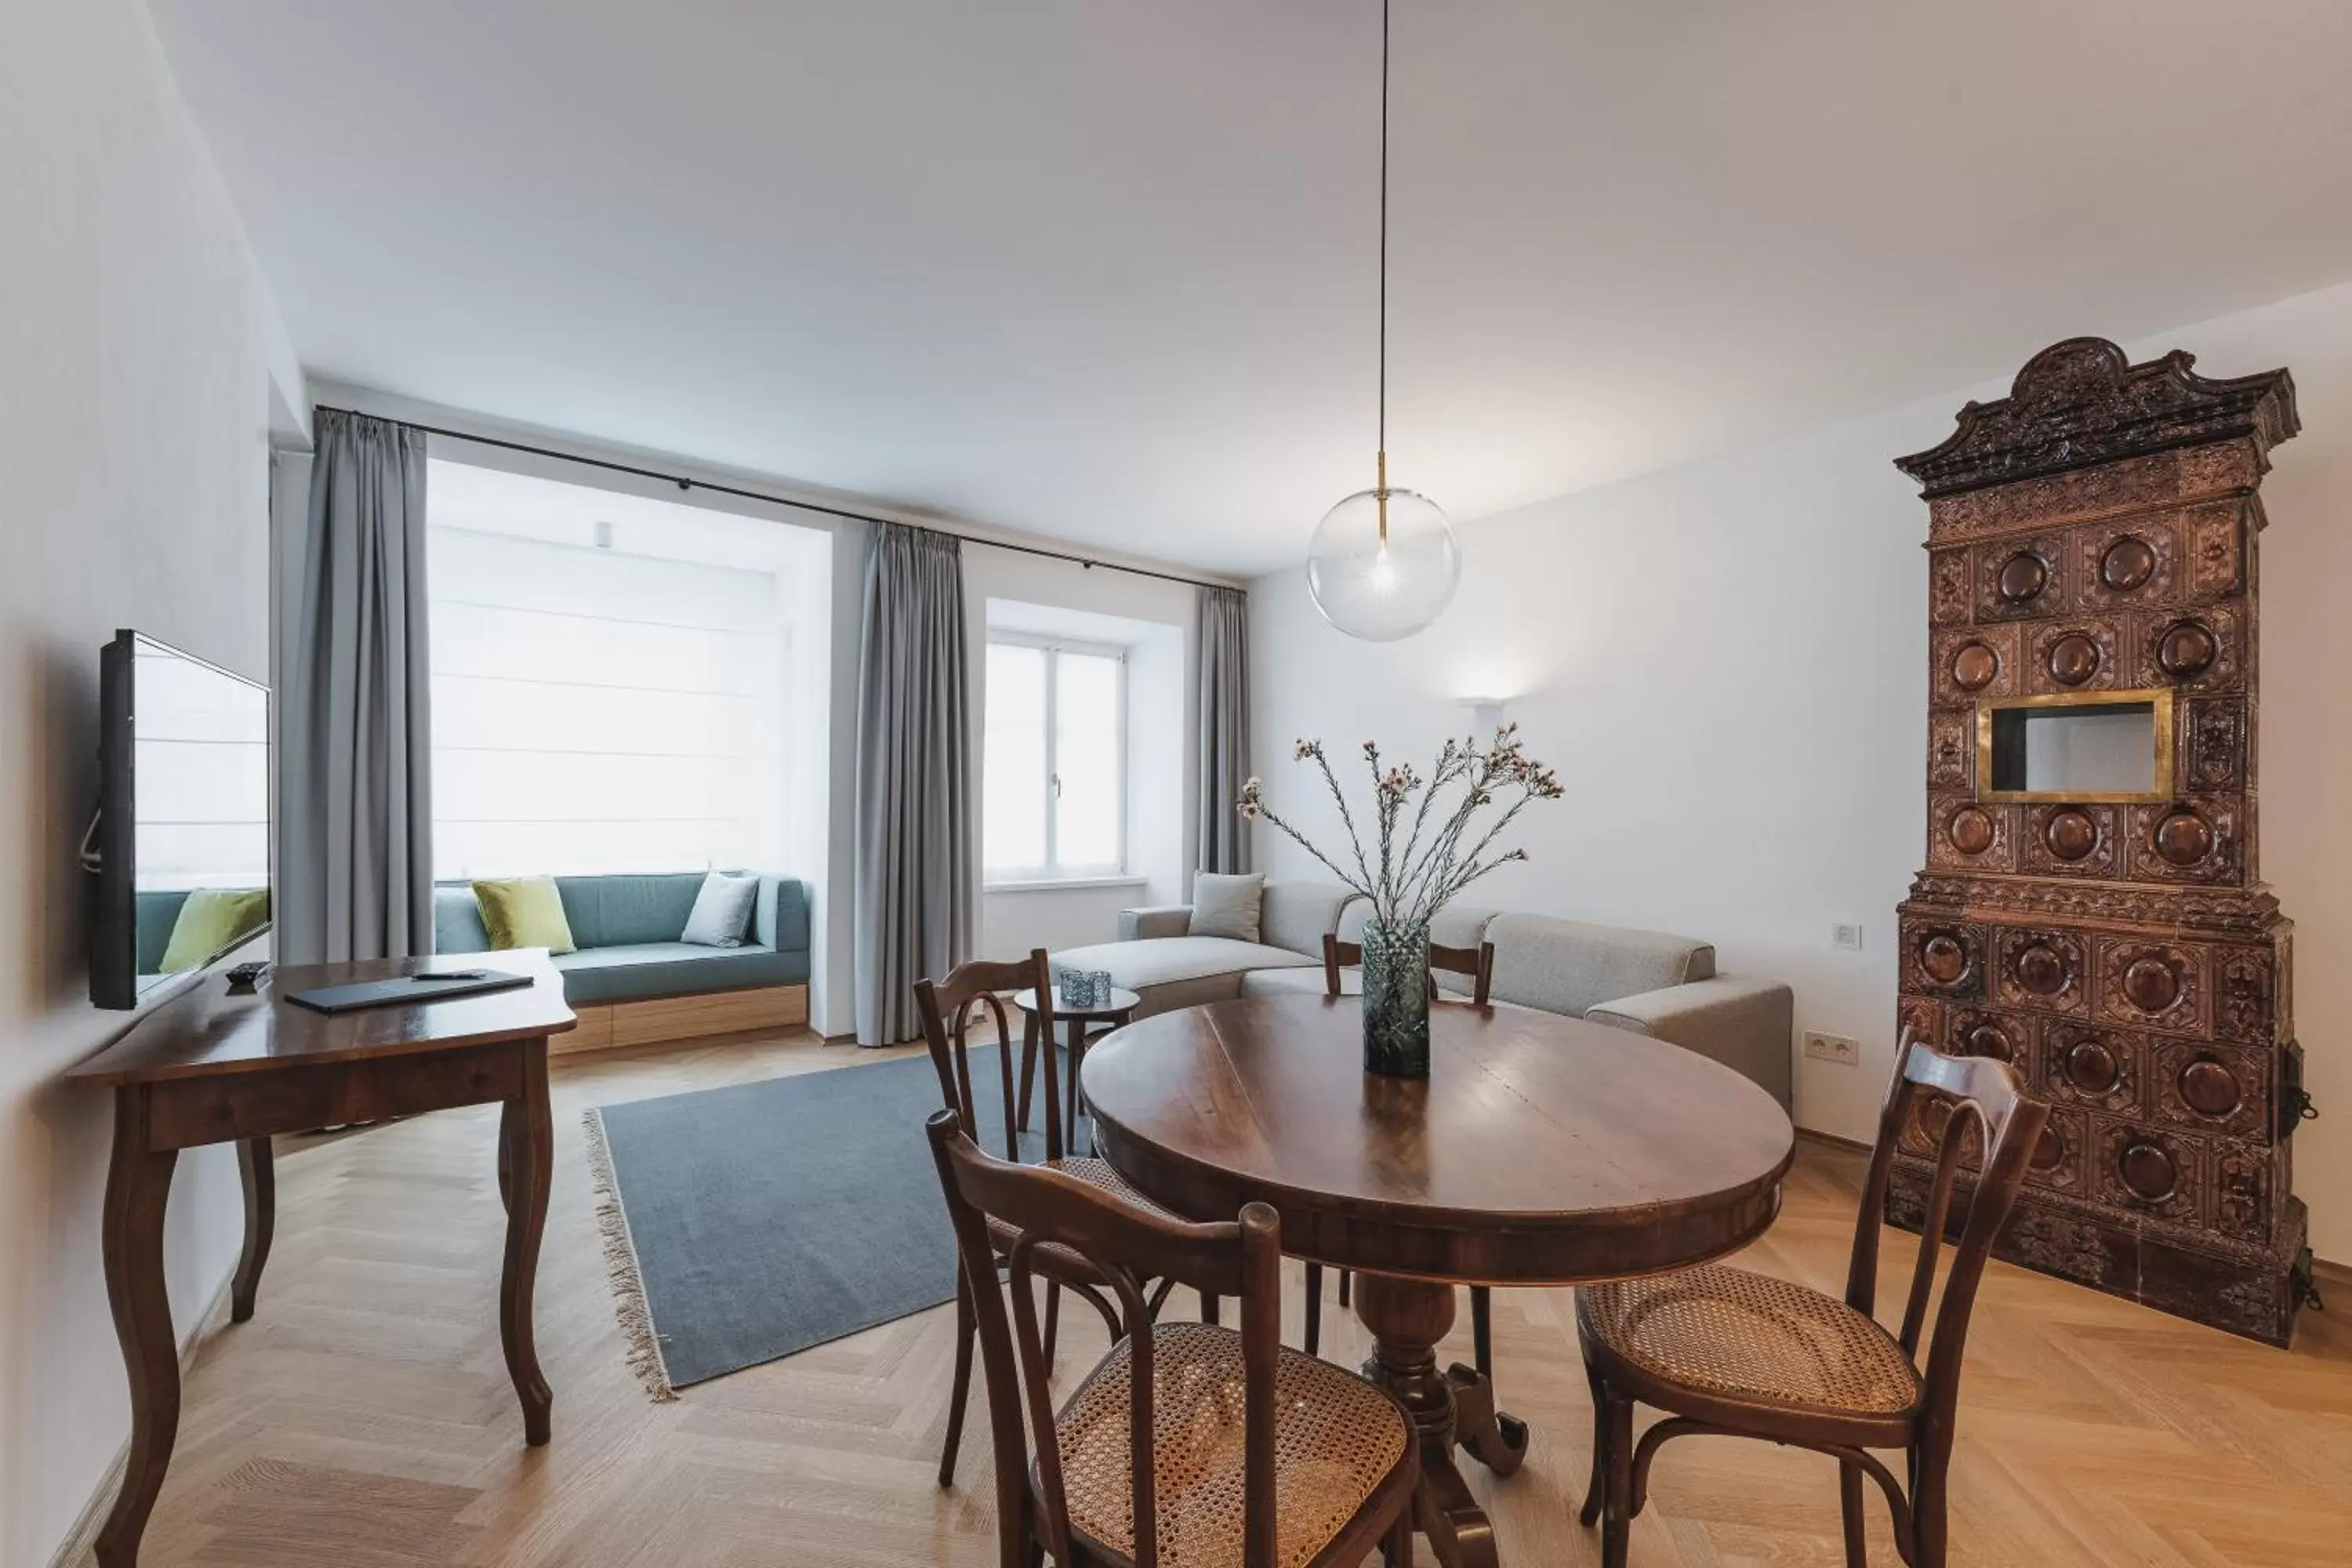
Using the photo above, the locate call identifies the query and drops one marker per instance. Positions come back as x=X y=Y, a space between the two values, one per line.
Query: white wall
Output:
x=1162 y=783
x=1727 y=663
x=1012 y=921
x=139 y=363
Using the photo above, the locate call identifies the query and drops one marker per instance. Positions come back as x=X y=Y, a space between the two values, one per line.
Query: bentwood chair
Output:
x=1188 y=1443
x=1728 y=1352
x=1477 y=965
x=948 y=1009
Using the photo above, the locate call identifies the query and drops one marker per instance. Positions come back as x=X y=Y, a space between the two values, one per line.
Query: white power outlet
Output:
x=1848 y=937
x=1832 y=1048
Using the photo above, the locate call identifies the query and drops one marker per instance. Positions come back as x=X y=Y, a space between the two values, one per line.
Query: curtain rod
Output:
x=684 y=483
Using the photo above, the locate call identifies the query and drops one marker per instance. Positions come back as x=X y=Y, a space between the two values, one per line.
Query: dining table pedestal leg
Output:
x=1495 y=1439
x=1407 y=1318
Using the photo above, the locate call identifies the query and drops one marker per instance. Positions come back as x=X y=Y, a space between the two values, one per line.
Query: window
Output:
x=1053 y=792
x=614 y=682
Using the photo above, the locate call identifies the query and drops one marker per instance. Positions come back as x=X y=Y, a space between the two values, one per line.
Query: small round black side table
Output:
x=1120 y=1009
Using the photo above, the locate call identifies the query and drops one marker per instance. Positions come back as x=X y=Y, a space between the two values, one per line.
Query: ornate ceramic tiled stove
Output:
x=2090 y=910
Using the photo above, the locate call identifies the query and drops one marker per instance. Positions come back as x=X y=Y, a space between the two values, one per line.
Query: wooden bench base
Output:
x=608 y=1025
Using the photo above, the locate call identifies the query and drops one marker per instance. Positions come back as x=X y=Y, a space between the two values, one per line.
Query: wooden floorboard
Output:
x=364 y=1418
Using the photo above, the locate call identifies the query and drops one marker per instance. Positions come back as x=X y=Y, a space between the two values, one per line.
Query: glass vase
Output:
x=1396 y=999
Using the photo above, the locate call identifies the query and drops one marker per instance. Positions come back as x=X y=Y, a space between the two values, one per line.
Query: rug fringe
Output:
x=620 y=1270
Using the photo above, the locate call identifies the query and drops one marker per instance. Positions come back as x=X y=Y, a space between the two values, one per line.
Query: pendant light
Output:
x=1384 y=562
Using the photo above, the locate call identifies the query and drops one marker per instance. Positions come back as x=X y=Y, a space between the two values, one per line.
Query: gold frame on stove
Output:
x=2158 y=699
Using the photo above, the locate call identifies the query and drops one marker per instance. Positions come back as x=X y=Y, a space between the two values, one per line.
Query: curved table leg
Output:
x=138 y=1184
x=527 y=1142
x=1407 y=1318
x=259 y=1171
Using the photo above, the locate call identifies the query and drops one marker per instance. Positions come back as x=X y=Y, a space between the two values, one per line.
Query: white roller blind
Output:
x=596 y=711
x=201 y=755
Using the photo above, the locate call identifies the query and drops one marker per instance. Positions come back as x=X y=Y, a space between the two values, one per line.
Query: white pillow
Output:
x=722 y=911
x=1227 y=906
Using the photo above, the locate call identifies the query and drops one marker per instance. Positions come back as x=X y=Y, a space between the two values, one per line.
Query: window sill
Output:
x=1063 y=884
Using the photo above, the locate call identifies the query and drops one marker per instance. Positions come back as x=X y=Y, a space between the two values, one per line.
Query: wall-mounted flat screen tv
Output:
x=182 y=843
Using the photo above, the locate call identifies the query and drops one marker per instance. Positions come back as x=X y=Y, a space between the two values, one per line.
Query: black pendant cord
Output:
x=1385 y=236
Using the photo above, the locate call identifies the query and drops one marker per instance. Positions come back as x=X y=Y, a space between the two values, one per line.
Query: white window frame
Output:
x=1052 y=872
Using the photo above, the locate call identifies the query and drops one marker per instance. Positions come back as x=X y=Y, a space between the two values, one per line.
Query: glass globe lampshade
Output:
x=1376 y=588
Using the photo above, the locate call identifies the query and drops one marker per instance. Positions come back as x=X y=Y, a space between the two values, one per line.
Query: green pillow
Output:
x=213 y=920
x=524 y=911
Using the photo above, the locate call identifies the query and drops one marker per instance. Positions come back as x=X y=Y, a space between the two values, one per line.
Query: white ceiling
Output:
x=1103 y=268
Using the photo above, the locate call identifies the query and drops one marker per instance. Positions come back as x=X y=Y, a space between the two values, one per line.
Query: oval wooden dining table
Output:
x=1541 y=1149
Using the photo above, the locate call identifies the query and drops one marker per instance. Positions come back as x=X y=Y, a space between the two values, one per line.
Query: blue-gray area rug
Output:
x=747 y=1223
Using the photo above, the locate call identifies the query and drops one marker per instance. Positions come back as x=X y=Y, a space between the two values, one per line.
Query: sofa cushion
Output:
x=722 y=910
x=1296 y=915
x=1171 y=971
x=635 y=971
x=1198 y=992
x=154 y=911
x=1227 y=906
x=211 y=921
x=1566 y=966
x=458 y=921
x=1156 y=960
x=1298 y=982
x=1456 y=925
x=525 y=911
x=780 y=915
x=628 y=911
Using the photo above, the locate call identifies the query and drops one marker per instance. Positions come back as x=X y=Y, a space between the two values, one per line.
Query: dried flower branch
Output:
x=1417 y=879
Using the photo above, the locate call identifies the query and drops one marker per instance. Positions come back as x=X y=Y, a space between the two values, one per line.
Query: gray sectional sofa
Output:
x=627 y=928
x=1648 y=982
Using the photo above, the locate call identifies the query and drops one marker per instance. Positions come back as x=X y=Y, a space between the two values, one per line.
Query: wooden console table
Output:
x=214 y=1067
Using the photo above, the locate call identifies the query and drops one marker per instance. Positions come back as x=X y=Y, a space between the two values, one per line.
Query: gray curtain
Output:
x=1224 y=680
x=355 y=727
x=913 y=903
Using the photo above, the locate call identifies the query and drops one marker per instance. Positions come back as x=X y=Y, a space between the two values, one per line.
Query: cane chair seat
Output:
x=1096 y=1174
x=1754 y=1339
x=1337 y=1439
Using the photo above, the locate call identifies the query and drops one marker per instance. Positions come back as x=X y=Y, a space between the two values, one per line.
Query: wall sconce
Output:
x=1487 y=714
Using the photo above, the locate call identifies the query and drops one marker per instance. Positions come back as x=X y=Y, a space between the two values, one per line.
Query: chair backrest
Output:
x=1052 y=1216
x=1477 y=962
x=1337 y=956
x=947 y=1009
x=1989 y=1109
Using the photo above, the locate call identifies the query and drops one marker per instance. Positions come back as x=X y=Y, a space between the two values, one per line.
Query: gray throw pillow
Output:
x=722 y=911
x=1227 y=906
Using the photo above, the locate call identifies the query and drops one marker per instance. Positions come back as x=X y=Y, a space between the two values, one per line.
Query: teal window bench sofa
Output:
x=634 y=982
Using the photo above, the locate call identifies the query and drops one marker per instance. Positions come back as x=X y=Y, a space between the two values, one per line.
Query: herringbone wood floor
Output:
x=364 y=1418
